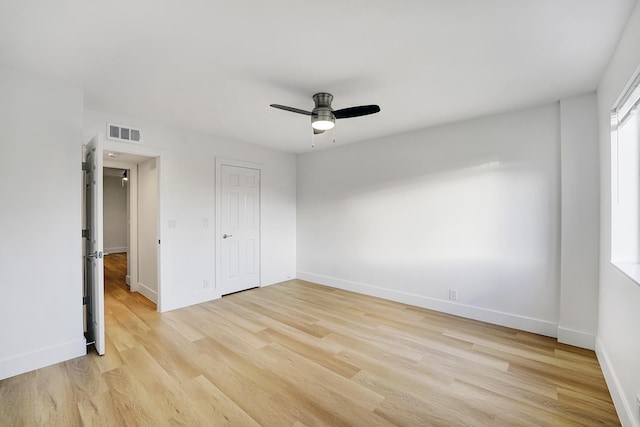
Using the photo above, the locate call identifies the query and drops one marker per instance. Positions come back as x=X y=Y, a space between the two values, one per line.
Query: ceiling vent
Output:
x=123 y=133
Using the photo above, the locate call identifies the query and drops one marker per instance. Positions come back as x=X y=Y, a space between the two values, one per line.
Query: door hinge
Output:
x=85 y=233
x=86 y=167
x=85 y=300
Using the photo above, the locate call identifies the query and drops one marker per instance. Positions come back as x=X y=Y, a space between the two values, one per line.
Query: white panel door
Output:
x=239 y=233
x=94 y=250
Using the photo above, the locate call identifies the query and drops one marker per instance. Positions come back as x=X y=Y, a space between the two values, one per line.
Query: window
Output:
x=625 y=182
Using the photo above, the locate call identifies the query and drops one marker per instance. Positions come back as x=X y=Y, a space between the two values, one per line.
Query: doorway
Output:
x=142 y=166
x=138 y=177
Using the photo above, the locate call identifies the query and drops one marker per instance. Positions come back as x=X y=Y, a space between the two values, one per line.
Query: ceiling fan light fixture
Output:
x=323 y=120
x=323 y=125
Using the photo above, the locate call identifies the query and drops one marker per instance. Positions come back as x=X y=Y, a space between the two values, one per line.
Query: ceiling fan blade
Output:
x=361 y=110
x=317 y=131
x=292 y=109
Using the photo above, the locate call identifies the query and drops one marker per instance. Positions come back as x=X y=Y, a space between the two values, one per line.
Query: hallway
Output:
x=116 y=288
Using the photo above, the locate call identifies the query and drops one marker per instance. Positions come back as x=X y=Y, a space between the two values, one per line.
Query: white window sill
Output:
x=631 y=269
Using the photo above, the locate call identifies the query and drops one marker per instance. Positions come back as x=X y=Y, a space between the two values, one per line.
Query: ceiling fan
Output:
x=323 y=117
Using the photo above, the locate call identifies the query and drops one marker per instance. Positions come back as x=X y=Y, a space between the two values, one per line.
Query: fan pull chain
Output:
x=313 y=139
x=333 y=134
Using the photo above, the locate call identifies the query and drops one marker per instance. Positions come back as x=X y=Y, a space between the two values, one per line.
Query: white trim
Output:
x=523 y=323
x=128 y=148
x=218 y=189
x=625 y=413
x=276 y=278
x=239 y=163
x=628 y=100
x=132 y=253
x=159 y=299
x=190 y=299
x=116 y=250
x=577 y=338
x=149 y=293
x=22 y=363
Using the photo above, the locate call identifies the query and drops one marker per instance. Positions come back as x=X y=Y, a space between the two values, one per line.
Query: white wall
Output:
x=148 y=229
x=40 y=255
x=187 y=195
x=115 y=215
x=473 y=206
x=580 y=220
x=618 y=343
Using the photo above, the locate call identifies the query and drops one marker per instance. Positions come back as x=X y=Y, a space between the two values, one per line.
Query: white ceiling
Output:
x=215 y=66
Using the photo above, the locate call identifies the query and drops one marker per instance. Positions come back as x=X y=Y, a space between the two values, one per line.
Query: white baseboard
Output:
x=577 y=338
x=44 y=357
x=127 y=280
x=515 y=321
x=187 y=300
x=147 y=292
x=273 y=279
x=116 y=250
x=623 y=409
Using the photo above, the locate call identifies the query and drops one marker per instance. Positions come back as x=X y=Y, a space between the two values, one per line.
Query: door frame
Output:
x=146 y=151
x=222 y=161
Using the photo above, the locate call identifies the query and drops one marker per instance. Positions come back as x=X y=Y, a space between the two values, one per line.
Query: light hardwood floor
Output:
x=297 y=354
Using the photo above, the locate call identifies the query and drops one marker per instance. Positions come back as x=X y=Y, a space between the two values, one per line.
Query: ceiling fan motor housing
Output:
x=323 y=99
x=322 y=113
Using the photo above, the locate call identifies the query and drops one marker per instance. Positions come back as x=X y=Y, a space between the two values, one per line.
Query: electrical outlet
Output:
x=205 y=284
x=205 y=222
x=453 y=294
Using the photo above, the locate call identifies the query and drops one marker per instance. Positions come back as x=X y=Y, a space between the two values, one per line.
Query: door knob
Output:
x=224 y=236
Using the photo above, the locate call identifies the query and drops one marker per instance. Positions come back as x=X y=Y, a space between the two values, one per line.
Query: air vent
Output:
x=123 y=133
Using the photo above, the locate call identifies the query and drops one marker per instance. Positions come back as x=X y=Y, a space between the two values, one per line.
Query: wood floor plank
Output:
x=172 y=351
x=295 y=333
x=100 y=410
x=85 y=378
x=210 y=407
x=163 y=389
x=301 y=354
x=249 y=387
x=346 y=402
x=111 y=358
x=118 y=333
x=312 y=352
x=50 y=396
x=183 y=322
x=545 y=410
x=309 y=374
x=14 y=392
